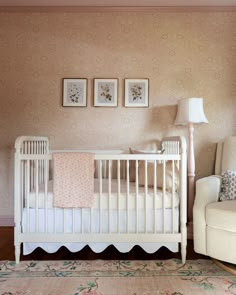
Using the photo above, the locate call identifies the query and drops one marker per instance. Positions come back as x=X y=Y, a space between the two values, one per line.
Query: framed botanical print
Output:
x=105 y=92
x=136 y=92
x=75 y=92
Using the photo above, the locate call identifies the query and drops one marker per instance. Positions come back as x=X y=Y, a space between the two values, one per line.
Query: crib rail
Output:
x=104 y=222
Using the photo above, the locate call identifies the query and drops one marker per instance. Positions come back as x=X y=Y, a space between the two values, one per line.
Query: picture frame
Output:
x=75 y=92
x=137 y=92
x=105 y=92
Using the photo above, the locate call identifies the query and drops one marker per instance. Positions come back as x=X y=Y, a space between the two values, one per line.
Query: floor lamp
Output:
x=190 y=111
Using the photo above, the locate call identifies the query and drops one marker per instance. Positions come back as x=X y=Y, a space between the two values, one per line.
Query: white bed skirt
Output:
x=97 y=247
x=60 y=222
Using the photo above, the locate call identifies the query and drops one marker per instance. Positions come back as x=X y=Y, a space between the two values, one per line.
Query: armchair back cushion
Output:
x=218 y=161
x=226 y=155
x=229 y=154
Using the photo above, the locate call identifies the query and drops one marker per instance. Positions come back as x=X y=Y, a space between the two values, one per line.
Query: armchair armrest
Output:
x=207 y=191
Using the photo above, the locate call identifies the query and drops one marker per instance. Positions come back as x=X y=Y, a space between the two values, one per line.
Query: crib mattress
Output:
x=115 y=201
x=79 y=220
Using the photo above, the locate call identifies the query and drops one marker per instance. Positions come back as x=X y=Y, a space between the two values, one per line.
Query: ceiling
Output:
x=119 y=3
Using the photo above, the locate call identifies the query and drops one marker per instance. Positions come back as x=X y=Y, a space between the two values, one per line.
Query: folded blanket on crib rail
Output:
x=73 y=184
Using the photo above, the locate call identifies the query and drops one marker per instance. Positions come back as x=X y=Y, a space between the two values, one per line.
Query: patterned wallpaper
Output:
x=183 y=54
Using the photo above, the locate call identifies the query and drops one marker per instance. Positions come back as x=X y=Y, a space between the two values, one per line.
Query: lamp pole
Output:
x=190 y=111
x=191 y=171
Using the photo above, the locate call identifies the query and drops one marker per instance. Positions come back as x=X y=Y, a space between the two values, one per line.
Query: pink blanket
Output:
x=73 y=184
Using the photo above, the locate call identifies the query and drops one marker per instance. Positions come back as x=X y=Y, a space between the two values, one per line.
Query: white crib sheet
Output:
x=63 y=221
x=113 y=197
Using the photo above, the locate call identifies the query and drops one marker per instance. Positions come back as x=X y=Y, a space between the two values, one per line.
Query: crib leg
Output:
x=183 y=252
x=183 y=244
x=17 y=253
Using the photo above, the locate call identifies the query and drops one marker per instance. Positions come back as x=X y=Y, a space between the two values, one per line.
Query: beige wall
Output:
x=183 y=54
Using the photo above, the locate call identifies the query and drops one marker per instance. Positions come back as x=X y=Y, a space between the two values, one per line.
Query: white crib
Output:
x=126 y=211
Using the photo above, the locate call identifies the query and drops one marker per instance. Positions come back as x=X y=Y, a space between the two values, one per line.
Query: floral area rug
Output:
x=103 y=277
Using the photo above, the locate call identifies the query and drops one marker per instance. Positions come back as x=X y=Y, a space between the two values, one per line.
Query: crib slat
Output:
x=37 y=195
x=28 y=147
x=82 y=218
x=136 y=193
x=164 y=197
x=145 y=195
x=64 y=220
x=104 y=168
x=118 y=192
x=155 y=196
x=32 y=173
x=100 y=196
x=36 y=152
x=55 y=219
x=73 y=220
x=46 y=166
x=22 y=188
x=91 y=220
x=172 y=197
x=127 y=196
x=40 y=164
x=27 y=183
x=31 y=149
x=109 y=195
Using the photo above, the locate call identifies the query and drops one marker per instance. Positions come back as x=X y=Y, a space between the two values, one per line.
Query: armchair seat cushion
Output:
x=222 y=215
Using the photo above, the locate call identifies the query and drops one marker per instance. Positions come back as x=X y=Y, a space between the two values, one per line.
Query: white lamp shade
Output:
x=190 y=110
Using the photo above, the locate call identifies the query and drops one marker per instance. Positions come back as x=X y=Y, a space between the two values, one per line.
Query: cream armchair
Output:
x=214 y=222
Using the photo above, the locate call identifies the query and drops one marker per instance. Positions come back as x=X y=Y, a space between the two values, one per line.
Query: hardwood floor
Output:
x=7 y=252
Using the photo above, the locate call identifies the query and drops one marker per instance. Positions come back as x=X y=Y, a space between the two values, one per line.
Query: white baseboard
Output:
x=6 y=220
